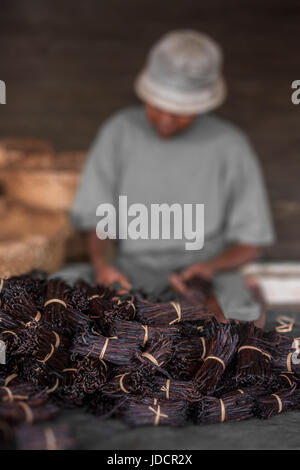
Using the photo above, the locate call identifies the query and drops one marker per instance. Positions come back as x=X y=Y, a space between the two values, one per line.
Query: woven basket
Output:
x=51 y=185
x=31 y=240
x=32 y=252
x=13 y=150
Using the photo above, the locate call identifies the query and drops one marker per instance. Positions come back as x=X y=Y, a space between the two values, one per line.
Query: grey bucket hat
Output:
x=183 y=74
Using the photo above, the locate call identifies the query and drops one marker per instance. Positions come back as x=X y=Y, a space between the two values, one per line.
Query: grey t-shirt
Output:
x=211 y=163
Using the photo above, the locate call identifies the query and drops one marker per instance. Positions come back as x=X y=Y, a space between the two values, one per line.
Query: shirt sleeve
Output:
x=99 y=179
x=248 y=218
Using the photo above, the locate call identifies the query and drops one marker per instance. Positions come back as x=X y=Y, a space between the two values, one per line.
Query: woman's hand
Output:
x=107 y=274
x=204 y=270
x=177 y=281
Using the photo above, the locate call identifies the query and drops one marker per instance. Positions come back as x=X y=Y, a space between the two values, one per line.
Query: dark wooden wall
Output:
x=68 y=64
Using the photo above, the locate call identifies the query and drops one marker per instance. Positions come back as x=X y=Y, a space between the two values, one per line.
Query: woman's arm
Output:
x=105 y=273
x=233 y=257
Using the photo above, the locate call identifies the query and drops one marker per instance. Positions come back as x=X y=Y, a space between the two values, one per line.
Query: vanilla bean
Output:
x=49 y=438
x=148 y=411
x=220 y=352
x=171 y=313
x=275 y=403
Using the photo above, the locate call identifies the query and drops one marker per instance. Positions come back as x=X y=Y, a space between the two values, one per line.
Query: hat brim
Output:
x=177 y=101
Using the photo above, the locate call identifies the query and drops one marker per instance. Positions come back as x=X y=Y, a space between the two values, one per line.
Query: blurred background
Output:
x=68 y=65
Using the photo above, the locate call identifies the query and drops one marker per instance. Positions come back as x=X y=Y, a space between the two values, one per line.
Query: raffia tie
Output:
x=158 y=414
x=177 y=308
x=289 y=362
x=215 y=358
x=255 y=349
x=152 y=359
x=287 y=378
x=36 y=318
x=166 y=388
x=52 y=389
x=279 y=402
x=55 y=301
x=47 y=357
x=286 y=324
x=50 y=439
x=122 y=387
x=101 y=355
x=146 y=337
x=9 y=332
x=133 y=306
x=28 y=412
x=9 y=393
x=204 y=347
x=57 y=339
x=9 y=379
x=223 y=411
x=96 y=296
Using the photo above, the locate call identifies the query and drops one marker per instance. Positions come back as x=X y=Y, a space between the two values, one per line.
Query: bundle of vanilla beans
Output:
x=126 y=356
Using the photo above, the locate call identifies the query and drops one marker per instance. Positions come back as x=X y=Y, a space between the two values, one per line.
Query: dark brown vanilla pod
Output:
x=91 y=347
x=58 y=437
x=285 y=352
x=235 y=407
x=14 y=390
x=25 y=412
x=157 y=354
x=54 y=362
x=275 y=403
x=32 y=285
x=200 y=288
x=105 y=309
x=254 y=357
x=11 y=339
x=125 y=308
x=170 y=389
x=286 y=380
x=171 y=313
x=138 y=411
x=19 y=312
x=206 y=327
x=135 y=382
x=30 y=370
x=84 y=378
x=119 y=310
x=55 y=304
x=100 y=404
x=51 y=353
x=189 y=353
x=252 y=393
x=75 y=320
x=219 y=354
x=133 y=331
x=48 y=337
x=104 y=348
x=97 y=291
x=7 y=321
x=78 y=298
